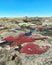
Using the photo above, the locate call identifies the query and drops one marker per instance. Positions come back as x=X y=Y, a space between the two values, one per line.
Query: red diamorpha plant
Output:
x=39 y=26
x=22 y=39
x=9 y=39
x=41 y=38
x=33 y=49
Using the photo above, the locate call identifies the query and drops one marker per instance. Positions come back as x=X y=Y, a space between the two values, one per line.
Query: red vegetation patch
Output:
x=40 y=26
x=33 y=49
x=9 y=39
x=22 y=39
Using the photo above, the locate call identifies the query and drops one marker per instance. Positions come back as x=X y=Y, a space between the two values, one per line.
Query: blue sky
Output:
x=15 y=8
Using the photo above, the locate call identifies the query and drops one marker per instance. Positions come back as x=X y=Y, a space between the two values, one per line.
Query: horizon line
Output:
x=21 y=16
